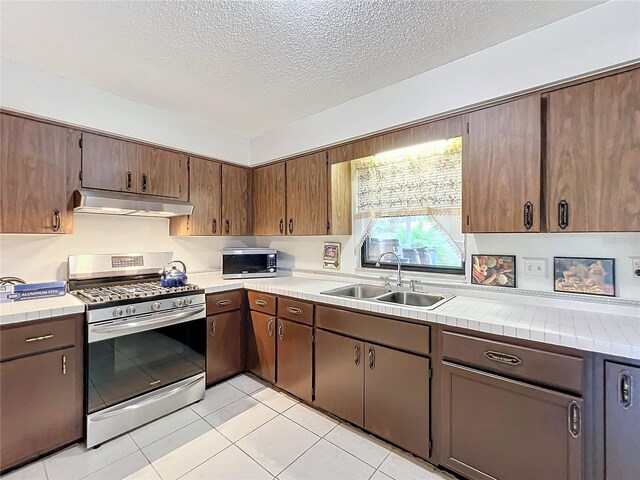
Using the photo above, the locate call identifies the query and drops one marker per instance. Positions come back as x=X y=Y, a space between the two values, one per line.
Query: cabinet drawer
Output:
x=262 y=302
x=33 y=338
x=531 y=364
x=224 y=301
x=383 y=331
x=296 y=311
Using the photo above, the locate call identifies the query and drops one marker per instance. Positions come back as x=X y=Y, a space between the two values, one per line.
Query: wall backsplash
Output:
x=44 y=257
x=305 y=253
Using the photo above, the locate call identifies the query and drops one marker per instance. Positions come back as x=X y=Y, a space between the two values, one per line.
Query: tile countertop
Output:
x=586 y=330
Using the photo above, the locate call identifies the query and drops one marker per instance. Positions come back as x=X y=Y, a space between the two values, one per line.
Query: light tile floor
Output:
x=241 y=430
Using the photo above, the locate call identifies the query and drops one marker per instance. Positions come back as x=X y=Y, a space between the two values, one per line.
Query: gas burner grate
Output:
x=131 y=290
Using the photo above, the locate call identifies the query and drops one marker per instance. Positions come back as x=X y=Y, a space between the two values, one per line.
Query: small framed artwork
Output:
x=592 y=276
x=331 y=255
x=494 y=270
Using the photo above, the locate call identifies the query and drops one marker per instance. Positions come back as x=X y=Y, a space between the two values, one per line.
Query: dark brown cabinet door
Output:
x=204 y=194
x=295 y=358
x=622 y=420
x=268 y=187
x=396 y=400
x=340 y=376
x=495 y=428
x=224 y=345
x=235 y=200
x=307 y=195
x=38 y=400
x=261 y=345
x=501 y=168
x=109 y=164
x=593 y=156
x=35 y=160
x=161 y=172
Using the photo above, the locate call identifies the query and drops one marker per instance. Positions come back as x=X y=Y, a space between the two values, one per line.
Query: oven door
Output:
x=248 y=265
x=135 y=355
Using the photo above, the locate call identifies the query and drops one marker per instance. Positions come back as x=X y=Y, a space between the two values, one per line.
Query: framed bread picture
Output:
x=591 y=276
x=493 y=270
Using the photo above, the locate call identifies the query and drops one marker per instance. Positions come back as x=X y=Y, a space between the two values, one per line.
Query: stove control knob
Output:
x=155 y=306
x=131 y=310
x=117 y=312
x=177 y=302
x=188 y=300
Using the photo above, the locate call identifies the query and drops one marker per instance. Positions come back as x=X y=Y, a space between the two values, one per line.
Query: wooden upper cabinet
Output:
x=268 y=199
x=501 y=168
x=593 y=156
x=236 y=193
x=161 y=172
x=307 y=195
x=204 y=194
x=39 y=167
x=109 y=164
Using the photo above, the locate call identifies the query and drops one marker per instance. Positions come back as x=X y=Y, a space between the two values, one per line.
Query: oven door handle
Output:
x=140 y=325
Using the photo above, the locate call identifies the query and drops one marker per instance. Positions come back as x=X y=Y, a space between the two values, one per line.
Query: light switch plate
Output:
x=635 y=267
x=535 y=267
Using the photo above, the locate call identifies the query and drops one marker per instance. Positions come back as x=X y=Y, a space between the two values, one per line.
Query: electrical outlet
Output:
x=535 y=267
x=635 y=267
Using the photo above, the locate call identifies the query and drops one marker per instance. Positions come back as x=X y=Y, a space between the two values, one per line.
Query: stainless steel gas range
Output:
x=146 y=344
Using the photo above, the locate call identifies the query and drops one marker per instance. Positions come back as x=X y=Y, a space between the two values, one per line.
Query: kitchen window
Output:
x=409 y=201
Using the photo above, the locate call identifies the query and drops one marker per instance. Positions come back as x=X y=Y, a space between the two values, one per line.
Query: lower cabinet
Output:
x=261 y=346
x=622 y=421
x=39 y=398
x=224 y=345
x=497 y=428
x=295 y=358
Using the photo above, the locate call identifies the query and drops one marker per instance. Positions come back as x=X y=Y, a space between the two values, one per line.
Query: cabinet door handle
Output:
x=222 y=303
x=625 y=388
x=502 y=358
x=281 y=226
x=129 y=181
x=214 y=225
x=528 y=215
x=372 y=358
x=563 y=214
x=261 y=303
x=294 y=310
x=281 y=331
x=56 y=220
x=575 y=419
x=145 y=181
x=212 y=327
x=64 y=364
x=270 y=327
x=291 y=225
x=356 y=354
x=40 y=338
x=227 y=226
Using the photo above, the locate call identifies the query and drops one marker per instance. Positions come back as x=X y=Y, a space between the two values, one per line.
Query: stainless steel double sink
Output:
x=373 y=293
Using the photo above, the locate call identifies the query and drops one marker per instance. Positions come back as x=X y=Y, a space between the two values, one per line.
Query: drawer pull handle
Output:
x=356 y=354
x=502 y=358
x=270 y=327
x=294 y=310
x=222 y=303
x=281 y=331
x=64 y=364
x=625 y=390
x=575 y=419
x=212 y=327
x=261 y=303
x=372 y=358
x=40 y=338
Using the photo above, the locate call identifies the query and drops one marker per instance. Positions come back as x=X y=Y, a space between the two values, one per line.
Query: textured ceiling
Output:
x=250 y=66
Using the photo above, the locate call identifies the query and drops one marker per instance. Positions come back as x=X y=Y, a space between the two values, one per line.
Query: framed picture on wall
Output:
x=591 y=276
x=494 y=270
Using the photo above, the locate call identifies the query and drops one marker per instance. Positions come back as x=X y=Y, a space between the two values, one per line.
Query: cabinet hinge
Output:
x=430 y=373
x=326 y=156
x=430 y=447
x=328 y=226
x=467 y=127
x=467 y=220
x=189 y=165
x=80 y=175
x=80 y=142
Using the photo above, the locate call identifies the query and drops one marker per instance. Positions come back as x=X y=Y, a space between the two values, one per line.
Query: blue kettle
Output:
x=174 y=277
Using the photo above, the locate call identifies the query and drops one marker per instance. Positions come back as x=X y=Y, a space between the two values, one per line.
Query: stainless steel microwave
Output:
x=249 y=262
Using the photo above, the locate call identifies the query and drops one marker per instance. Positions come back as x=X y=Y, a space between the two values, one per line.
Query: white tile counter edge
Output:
x=39 y=308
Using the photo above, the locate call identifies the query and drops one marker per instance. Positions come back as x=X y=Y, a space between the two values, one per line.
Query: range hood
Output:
x=118 y=203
